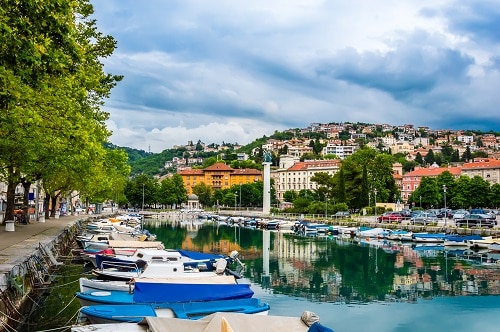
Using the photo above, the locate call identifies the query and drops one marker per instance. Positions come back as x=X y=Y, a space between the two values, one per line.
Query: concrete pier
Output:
x=27 y=253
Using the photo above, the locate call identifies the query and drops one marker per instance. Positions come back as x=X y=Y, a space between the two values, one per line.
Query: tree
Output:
x=52 y=87
x=419 y=159
x=467 y=155
x=429 y=157
x=204 y=193
x=290 y=195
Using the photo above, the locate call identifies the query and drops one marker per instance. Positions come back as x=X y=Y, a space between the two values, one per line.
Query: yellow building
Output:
x=219 y=176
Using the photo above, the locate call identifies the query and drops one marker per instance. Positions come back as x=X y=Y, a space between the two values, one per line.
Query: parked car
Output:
x=444 y=213
x=476 y=220
x=406 y=214
x=342 y=214
x=390 y=217
x=459 y=214
x=424 y=218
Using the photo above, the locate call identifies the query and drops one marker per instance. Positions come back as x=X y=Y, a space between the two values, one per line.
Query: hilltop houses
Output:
x=292 y=174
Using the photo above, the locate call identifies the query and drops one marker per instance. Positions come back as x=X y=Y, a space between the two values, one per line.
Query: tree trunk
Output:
x=53 y=205
x=12 y=181
x=26 y=198
x=11 y=194
x=46 y=204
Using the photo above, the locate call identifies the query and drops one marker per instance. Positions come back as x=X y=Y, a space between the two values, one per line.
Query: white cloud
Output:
x=234 y=71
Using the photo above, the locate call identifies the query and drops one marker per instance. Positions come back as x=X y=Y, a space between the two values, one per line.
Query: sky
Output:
x=232 y=71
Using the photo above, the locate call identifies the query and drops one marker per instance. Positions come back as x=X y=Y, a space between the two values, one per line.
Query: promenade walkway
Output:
x=17 y=246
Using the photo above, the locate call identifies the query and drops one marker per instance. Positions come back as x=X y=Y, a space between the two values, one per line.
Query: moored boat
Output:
x=104 y=314
x=428 y=237
x=152 y=291
x=460 y=240
x=217 y=322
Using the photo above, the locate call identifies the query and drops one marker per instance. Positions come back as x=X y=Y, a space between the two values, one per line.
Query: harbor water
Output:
x=351 y=284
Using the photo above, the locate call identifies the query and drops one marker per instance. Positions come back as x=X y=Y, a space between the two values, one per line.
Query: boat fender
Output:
x=131 y=286
x=309 y=318
x=220 y=266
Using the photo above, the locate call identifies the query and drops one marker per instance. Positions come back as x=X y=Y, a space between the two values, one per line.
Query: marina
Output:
x=339 y=277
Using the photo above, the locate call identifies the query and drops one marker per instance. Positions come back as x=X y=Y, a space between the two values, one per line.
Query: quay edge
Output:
x=26 y=266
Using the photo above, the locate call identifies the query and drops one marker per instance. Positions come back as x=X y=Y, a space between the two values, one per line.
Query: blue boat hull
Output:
x=103 y=314
x=167 y=292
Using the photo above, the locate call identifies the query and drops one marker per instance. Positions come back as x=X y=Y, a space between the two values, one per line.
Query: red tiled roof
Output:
x=218 y=167
x=191 y=172
x=305 y=165
x=489 y=163
x=434 y=171
x=247 y=171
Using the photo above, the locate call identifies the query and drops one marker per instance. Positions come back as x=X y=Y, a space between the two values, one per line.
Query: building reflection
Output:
x=333 y=269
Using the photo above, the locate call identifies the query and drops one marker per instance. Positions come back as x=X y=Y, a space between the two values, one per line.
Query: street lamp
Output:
x=143 y=197
x=240 y=195
x=445 y=211
x=235 y=195
x=375 y=193
x=420 y=202
x=326 y=206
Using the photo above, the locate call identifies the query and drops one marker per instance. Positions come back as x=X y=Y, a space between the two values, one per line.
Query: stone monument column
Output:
x=266 y=178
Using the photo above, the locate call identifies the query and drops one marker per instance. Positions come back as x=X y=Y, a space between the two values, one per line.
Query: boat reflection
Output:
x=341 y=269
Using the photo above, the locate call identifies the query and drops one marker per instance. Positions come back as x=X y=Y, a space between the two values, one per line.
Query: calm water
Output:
x=367 y=286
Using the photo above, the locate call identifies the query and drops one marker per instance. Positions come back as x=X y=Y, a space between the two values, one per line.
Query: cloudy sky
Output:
x=233 y=71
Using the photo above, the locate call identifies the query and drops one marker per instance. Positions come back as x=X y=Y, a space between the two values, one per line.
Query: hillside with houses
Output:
x=299 y=154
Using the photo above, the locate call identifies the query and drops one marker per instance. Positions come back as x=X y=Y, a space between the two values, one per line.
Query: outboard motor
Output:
x=234 y=256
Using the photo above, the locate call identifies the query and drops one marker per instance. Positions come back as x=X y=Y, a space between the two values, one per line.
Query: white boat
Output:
x=217 y=322
x=399 y=235
x=429 y=237
x=483 y=243
x=377 y=232
x=96 y=285
x=154 y=269
x=495 y=246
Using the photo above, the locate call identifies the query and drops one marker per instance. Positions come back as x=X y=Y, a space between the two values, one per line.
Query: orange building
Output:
x=219 y=176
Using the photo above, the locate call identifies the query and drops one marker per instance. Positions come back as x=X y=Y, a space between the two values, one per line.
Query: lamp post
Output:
x=445 y=211
x=420 y=202
x=235 y=195
x=326 y=206
x=143 y=197
x=375 y=194
x=240 y=195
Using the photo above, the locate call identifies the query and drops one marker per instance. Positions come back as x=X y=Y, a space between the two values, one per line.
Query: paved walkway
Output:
x=35 y=230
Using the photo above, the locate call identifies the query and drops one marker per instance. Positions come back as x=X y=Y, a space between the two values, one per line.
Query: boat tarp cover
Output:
x=195 y=255
x=235 y=321
x=135 y=244
x=145 y=292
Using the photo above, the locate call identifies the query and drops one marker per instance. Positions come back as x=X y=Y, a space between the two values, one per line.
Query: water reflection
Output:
x=340 y=270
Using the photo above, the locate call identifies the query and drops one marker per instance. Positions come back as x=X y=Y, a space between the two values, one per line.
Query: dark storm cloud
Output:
x=416 y=66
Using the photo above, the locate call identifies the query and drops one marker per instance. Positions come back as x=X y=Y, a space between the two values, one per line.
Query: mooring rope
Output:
x=10 y=318
x=74 y=297
x=62 y=328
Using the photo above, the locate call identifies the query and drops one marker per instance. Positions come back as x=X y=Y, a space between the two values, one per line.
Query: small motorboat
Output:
x=105 y=314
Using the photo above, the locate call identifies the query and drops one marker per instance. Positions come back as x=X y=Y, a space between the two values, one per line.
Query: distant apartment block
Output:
x=341 y=151
x=411 y=180
x=465 y=139
x=298 y=176
x=487 y=169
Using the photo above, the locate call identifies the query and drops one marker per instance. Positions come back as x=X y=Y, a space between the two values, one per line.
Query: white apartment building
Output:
x=465 y=139
x=424 y=141
x=403 y=147
x=298 y=176
x=341 y=151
